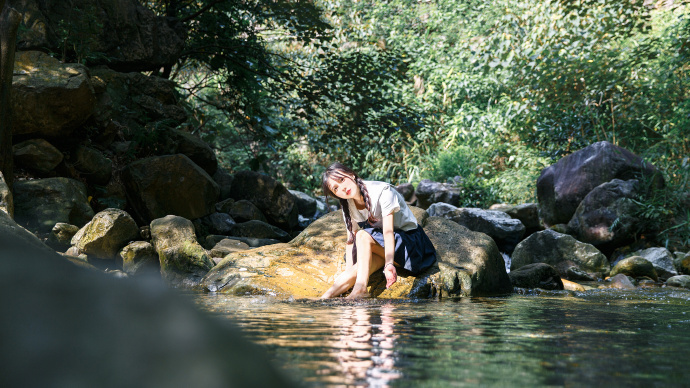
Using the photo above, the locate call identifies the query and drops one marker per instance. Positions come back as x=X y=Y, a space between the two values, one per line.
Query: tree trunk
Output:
x=9 y=22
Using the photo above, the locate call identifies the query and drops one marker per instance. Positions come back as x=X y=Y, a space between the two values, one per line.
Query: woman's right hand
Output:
x=391 y=274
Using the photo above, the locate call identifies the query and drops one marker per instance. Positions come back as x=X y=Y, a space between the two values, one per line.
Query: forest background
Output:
x=485 y=94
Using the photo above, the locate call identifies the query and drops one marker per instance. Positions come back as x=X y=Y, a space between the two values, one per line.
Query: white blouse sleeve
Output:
x=388 y=201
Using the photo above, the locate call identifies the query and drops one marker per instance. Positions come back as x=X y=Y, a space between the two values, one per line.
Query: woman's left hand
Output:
x=391 y=275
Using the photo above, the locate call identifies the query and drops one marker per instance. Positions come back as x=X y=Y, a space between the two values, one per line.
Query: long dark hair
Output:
x=338 y=170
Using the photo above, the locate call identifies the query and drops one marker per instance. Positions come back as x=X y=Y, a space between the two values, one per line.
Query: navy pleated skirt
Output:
x=413 y=249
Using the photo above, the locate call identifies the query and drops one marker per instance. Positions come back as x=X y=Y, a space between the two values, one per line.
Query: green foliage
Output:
x=78 y=33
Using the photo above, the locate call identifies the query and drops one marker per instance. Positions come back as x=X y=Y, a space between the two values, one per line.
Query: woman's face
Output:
x=344 y=187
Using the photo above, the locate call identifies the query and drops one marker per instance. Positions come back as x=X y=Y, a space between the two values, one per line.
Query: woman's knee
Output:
x=363 y=237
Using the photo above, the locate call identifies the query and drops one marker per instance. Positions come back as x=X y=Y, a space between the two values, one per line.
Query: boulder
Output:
x=259 y=229
x=217 y=223
x=139 y=257
x=562 y=186
x=122 y=34
x=197 y=150
x=506 y=231
x=429 y=192
x=6 y=199
x=172 y=184
x=306 y=205
x=106 y=234
x=37 y=155
x=183 y=261
x=227 y=246
x=39 y=204
x=635 y=267
x=270 y=196
x=407 y=191
x=679 y=281
x=441 y=209
x=308 y=265
x=537 y=275
x=211 y=240
x=528 y=214
x=93 y=165
x=224 y=181
x=661 y=259
x=82 y=327
x=61 y=234
x=49 y=98
x=606 y=216
x=619 y=281
x=241 y=211
x=560 y=251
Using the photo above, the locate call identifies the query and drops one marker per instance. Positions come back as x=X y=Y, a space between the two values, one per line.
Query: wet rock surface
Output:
x=537 y=275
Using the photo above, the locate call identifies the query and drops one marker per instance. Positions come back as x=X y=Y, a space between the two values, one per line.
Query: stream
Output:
x=594 y=338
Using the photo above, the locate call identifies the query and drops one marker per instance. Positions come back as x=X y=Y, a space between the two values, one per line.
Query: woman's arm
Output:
x=389 y=249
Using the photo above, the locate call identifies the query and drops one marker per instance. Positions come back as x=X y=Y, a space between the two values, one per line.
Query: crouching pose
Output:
x=381 y=229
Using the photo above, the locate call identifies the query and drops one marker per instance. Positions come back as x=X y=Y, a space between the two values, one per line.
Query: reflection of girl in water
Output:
x=384 y=234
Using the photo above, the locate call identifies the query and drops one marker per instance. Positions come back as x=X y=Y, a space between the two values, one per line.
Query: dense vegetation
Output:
x=403 y=90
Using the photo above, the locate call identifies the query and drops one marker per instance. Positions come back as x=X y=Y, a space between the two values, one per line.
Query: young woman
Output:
x=382 y=232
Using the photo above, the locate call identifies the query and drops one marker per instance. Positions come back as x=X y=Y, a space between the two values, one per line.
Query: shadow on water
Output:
x=594 y=338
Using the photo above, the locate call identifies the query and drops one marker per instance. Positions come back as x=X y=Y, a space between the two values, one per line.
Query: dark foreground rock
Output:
x=469 y=264
x=79 y=328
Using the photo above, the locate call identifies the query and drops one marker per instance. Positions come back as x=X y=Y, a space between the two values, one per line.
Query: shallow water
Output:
x=595 y=338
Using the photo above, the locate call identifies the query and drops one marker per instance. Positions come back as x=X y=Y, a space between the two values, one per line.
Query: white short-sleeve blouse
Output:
x=385 y=200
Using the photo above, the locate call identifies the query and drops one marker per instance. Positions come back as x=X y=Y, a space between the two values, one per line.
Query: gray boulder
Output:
x=172 y=184
x=407 y=191
x=441 y=209
x=259 y=229
x=537 y=275
x=227 y=246
x=183 y=261
x=505 y=230
x=211 y=240
x=218 y=223
x=241 y=211
x=270 y=196
x=661 y=259
x=560 y=251
x=635 y=267
x=6 y=199
x=306 y=205
x=106 y=234
x=562 y=186
x=679 y=281
x=139 y=257
x=49 y=98
x=606 y=216
x=39 y=204
x=93 y=165
x=89 y=330
x=429 y=192
x=125 y=35
x=37 y=154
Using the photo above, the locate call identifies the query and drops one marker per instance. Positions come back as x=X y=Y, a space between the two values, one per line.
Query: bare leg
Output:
x=369 y=258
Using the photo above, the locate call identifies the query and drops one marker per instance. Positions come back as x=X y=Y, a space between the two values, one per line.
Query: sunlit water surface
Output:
x=595 y=338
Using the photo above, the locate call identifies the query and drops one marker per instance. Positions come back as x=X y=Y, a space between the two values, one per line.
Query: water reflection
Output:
x=365 y=345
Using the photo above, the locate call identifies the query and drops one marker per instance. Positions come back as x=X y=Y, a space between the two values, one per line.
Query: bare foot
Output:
x=358 y=292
